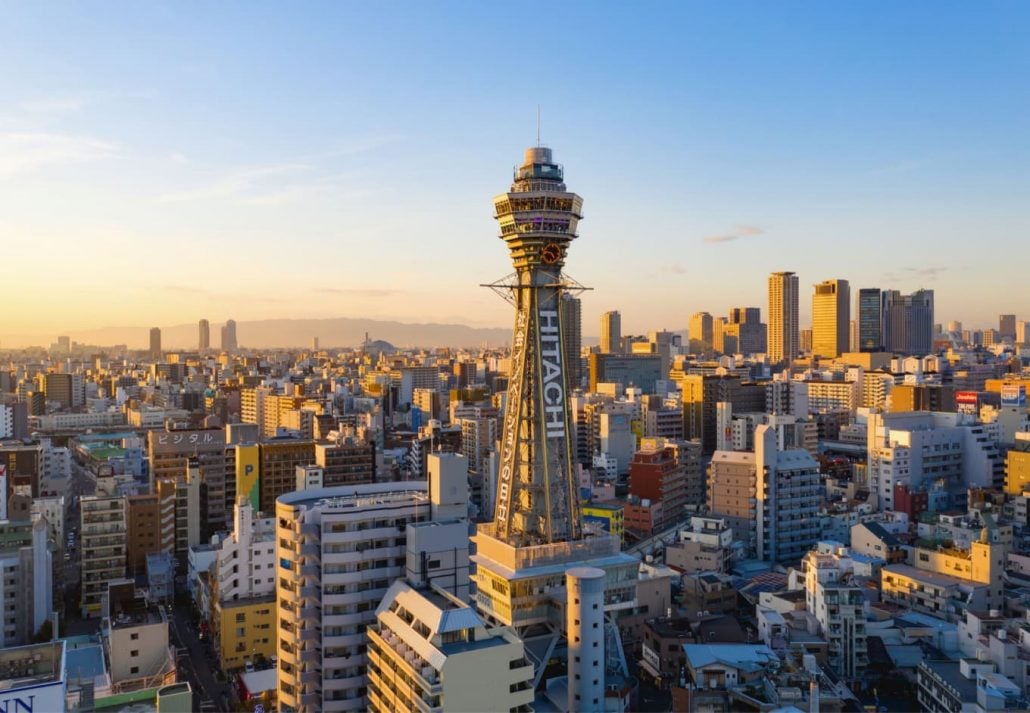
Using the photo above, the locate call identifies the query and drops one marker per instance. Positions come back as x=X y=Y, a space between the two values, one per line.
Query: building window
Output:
x=134 y=636
x=134 y=652
x=134 y=669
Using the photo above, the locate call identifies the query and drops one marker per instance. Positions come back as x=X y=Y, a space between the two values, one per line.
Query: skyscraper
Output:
x=155 y=342
x=908 y=322
x=229 y=336
x=700 y=332
x=784 y=324
x=611 y=333
x=751 y=333
x=572 y=338
x=831 y=318
x=204 y=335
x=870 y=320
x=1007 y=326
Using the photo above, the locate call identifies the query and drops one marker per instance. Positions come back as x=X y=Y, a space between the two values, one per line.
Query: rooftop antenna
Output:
x=538 y=126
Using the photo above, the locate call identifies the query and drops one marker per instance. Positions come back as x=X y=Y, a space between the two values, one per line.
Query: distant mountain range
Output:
x=269 y=333
x=292 y=333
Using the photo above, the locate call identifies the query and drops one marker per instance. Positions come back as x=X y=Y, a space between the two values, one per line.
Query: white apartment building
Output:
x=338 y=550
x=923 y=448
x=839 y=606
x=826 y=396
x=66 y=421
x=429 y=651
x=51 y=510
x=245 y=559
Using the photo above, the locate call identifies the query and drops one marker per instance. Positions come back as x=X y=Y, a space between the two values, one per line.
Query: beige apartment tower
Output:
x=784 y=325
x=831 y=319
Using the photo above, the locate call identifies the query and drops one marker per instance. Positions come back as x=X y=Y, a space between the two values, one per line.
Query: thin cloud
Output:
x=363 y=145
x=53 y=106
x=926 y=272
x=186 y=290
x=741 y=231
x=27 y=151
x=243 y=183
x=356 y=291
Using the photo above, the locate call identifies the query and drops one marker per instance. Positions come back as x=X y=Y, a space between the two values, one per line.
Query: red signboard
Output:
x=966 y=397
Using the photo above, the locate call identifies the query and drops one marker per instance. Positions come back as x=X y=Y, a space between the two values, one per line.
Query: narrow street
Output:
x=196 y=662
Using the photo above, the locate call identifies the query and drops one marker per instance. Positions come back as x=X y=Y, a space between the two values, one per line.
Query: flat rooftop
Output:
x=136 y=612
x=32 y=665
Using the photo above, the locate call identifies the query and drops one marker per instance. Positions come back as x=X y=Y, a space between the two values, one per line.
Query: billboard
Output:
x=1013 y=395
x=248 y=467
x=186 y=441
x=970 y=398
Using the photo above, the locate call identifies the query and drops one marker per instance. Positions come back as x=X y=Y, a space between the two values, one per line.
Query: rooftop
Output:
x=32 y=665
x=951 y=673
x=750 y=657
x=134 y=612
x=352 y=496
x=922 y=575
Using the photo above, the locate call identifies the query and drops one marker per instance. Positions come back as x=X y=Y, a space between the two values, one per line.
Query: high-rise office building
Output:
x=831 y=318
x=870 y=320
x=805 y=341
x=229 y=343
x=611 y=333
x=572 y=338
x=784 y=325
x=1022 y=333
x=955 y=326
x=155 y=342
x=747 y=327
x=700 y=332
x=1007 y=326
x=908 y=322
x=204 y=335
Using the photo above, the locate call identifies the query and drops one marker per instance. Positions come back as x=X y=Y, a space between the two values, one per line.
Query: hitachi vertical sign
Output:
x=553 y=390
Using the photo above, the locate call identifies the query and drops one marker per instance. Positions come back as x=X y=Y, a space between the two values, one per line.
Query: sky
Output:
x=164 y=162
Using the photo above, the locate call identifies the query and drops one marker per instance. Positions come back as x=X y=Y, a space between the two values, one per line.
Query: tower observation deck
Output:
x=537 y=496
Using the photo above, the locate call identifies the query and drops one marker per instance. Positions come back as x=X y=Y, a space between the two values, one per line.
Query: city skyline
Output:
x=207 y=150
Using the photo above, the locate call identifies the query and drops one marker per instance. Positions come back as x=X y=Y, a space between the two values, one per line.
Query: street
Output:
x=196 y=662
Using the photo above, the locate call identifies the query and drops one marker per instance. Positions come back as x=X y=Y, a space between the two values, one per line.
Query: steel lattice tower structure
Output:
x=537 y=496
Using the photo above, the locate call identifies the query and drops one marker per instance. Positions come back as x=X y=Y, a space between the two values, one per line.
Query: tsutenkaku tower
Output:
x=537 y=496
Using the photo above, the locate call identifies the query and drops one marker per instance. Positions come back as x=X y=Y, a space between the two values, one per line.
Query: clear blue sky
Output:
x=165 y=162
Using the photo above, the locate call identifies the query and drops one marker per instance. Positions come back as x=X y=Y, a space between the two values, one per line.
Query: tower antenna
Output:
x=538 y=126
